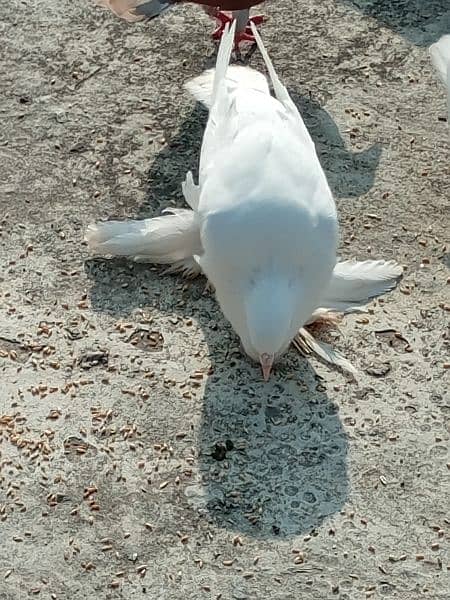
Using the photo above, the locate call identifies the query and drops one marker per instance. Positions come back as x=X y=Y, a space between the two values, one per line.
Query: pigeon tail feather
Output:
x=201 y=87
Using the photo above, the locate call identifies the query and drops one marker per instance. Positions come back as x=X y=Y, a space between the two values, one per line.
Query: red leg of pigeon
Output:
x=241 y=36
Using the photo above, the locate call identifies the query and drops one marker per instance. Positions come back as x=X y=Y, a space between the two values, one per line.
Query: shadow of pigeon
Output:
x=274 y=456
x=421 y=23
x=271 y=458
x=349 y=174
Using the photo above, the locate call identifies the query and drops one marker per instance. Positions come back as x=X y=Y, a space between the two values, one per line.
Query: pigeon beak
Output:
x=266 y=361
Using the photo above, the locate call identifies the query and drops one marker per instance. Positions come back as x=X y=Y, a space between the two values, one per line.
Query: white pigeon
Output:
x=263 y=226
x=440 y=57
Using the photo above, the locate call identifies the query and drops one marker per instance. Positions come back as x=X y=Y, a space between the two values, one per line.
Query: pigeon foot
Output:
x=242 y=36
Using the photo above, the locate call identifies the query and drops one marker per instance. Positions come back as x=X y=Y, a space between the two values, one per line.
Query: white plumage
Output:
x=173 y=238
x=440 y=57
x=263 y=225
x=353 y=283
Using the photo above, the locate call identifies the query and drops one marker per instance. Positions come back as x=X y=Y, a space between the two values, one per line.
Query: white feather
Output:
x=236 y=76
x=306 y=344
x=223 y=60
x=168 y=239
x=440 y=57
x=354 y=283
x=282 y=95
x=191 y=192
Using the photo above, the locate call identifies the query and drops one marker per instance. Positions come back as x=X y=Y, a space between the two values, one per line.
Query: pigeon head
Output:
x=272 y=318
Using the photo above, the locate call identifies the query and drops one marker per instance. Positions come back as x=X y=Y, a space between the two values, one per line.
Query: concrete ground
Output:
x=141 y=455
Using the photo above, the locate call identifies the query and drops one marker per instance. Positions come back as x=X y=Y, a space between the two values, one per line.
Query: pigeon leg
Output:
x=246 y=35
x=187 y=267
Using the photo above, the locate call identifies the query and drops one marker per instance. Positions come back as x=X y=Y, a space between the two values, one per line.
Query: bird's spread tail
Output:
x=440 y=57
x=135 y=10
x=206 y=87
x=237 y=76
x=169 y=239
